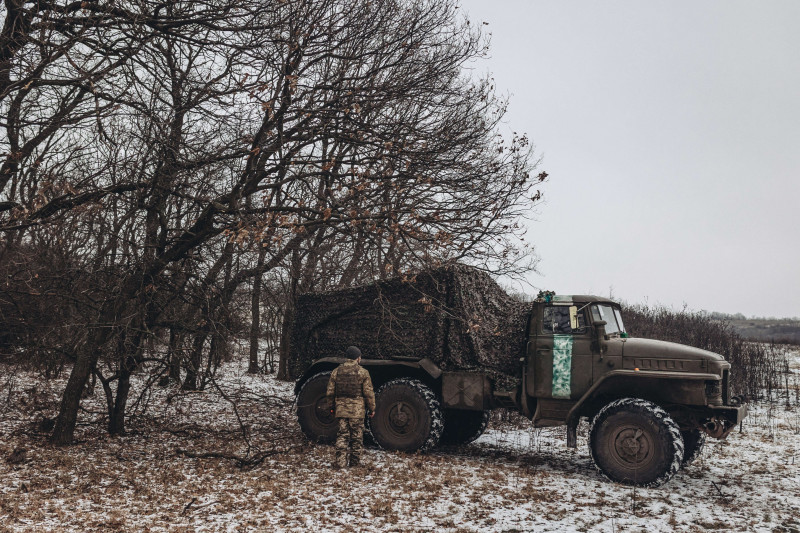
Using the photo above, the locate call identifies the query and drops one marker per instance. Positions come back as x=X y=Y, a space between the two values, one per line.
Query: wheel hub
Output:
x=323 y=410
x=632 y=445
x=401 y=417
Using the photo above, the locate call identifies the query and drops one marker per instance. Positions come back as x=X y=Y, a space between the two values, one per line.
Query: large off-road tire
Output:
x=314 y=410
x=408 y=416
x=693 y=442
x=463 y=427
x=635 y=442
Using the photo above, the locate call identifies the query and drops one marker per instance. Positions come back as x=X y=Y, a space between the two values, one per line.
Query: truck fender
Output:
x=322 y=365
x=620 y=382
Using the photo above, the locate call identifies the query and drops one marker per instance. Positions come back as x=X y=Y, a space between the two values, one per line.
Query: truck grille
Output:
x=726 y=386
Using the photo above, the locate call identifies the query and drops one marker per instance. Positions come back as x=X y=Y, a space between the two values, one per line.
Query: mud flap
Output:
x=572 y=432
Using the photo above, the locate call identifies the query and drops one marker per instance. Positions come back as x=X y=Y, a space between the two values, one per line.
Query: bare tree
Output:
x=194 y=147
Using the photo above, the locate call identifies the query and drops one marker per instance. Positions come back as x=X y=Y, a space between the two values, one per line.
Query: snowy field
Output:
x=188 y=465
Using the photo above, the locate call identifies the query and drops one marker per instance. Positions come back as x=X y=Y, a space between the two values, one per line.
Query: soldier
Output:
x=348 y=388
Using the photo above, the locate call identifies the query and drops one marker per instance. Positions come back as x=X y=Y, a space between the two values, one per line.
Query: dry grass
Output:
x=163 y=476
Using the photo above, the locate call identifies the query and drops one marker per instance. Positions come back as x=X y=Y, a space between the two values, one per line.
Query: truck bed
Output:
x=456 y=316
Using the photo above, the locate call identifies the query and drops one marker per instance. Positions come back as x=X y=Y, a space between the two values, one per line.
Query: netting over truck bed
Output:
x=456 y=316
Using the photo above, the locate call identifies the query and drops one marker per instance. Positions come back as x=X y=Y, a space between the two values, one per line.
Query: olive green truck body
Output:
x=650 y=403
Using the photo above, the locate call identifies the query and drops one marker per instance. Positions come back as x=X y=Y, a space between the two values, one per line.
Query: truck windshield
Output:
x=611 y=316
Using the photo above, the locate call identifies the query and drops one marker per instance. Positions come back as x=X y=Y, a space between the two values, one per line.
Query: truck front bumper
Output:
x=732 y=413
x=723 y=419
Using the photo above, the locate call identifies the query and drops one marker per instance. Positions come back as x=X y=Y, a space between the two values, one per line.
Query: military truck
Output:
x=650 y=403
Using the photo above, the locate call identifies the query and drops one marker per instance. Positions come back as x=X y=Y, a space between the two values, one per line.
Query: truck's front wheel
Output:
x=635 y=442
x=314 y=410
x=408 y=416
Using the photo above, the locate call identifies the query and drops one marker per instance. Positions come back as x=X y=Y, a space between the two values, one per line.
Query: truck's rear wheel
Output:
x=635 y=442
x=408 y=416
x=314 y=410
x=693 y=442
x=463 y=427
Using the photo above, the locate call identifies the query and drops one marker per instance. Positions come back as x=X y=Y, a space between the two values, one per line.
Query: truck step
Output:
x=506 y=398
x=550 y=412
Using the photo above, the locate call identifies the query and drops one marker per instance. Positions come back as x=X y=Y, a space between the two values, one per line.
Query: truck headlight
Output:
x=714 y=392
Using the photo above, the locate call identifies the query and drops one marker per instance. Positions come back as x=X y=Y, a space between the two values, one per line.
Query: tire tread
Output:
x=653 y=411
x=431 y=400
x=308 y=430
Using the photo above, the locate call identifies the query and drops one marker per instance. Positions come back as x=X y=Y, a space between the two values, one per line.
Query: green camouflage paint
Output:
x=562 y=366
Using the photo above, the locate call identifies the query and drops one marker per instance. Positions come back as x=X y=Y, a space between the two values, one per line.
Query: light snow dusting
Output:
x=188 y=465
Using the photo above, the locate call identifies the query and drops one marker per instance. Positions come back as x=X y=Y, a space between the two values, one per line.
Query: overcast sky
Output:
x=671 y=133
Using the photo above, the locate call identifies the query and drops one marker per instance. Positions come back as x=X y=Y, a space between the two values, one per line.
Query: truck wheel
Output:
x=313 y=410
x=693 y=442
x=407 y=418
x=635 y=442
x=463 y=427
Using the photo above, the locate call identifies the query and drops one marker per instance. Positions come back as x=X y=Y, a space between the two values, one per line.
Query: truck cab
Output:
x=579 y=356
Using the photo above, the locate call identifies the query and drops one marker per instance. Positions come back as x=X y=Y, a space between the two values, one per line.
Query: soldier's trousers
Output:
x=349 y=442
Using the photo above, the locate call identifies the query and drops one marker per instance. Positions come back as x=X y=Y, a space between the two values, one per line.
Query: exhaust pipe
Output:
x=716 y=429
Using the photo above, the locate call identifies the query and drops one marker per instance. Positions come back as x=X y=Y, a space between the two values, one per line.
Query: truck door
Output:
x=610 y=358
x=562 y=359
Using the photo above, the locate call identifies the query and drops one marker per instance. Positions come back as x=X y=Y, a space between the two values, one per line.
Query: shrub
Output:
x=757 y=367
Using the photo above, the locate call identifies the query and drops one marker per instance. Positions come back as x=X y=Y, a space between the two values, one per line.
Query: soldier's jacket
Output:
x=348 y=388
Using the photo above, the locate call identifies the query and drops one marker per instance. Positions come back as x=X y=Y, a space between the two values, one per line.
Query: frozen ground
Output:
x=177 y=471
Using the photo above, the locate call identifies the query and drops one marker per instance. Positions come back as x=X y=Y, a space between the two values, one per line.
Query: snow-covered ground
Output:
x=169 y=473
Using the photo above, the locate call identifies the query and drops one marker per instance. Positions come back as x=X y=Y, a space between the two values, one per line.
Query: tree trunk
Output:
x=195 y=359
x=283 y=350
x=175 y=344
x=288 y=319
x=64 y=429
x=255 y=309
x=116 y=419
x=215 y=352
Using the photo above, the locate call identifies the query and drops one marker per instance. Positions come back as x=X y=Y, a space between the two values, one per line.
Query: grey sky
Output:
x=671 y=132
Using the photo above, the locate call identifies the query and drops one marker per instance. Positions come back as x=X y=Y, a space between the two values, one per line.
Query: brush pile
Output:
x=456 y=316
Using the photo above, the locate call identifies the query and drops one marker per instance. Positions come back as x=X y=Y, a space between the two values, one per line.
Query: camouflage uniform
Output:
x=348 y=388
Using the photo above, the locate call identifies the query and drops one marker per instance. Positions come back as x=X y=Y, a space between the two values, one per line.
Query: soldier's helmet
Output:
x=352 y=352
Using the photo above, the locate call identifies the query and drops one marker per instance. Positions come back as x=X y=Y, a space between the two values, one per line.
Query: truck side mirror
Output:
x=600 y=326
x=573 y=317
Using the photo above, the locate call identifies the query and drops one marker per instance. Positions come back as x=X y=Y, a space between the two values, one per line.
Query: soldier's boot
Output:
x=340 y=461
x=355 y=460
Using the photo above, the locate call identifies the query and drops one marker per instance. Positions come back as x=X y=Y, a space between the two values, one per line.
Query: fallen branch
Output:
x=241 y=462
x=723 y=496
x=188 y=505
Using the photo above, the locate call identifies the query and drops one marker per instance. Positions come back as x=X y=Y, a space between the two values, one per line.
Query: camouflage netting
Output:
x=456 y=316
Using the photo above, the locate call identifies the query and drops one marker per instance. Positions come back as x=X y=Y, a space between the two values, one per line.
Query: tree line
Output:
x=173 y=174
